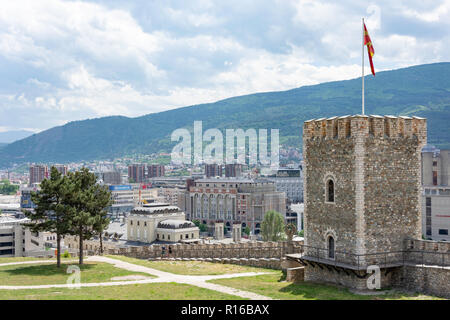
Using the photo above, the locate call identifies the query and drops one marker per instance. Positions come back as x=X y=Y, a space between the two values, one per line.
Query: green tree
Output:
x=103 y=200
x=51 y=213
x=272 y=227
x=202 y=227
x=247 y=230
x=88 y=202
x=7 y=188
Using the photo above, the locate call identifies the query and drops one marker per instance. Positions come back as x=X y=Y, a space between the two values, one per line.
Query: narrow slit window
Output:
x=330 y=191
x=331 y=247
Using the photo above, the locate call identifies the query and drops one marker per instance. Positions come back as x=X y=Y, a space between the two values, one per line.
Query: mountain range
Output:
x=14 y=135
x=422 y=90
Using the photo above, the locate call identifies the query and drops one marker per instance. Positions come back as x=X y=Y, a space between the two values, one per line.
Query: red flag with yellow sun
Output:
x=370 y=50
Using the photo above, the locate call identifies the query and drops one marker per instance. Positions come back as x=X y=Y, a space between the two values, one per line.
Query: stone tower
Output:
x=362 y=188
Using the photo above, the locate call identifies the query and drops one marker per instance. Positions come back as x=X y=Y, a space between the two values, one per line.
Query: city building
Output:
x=61 y=168
x=38 y=173
x=213 y=170
x=155 y=170
x=233 y=200
x=298 y=209
x=436 y=194
x=233 y=170
x=126 y=197
x=111 y=177
x=25 y=198
x=17 y=240
x=171 y=194
x=157 y=182
x=289 y=181
x=136 y=173
x=362 y=196
x=160 y=222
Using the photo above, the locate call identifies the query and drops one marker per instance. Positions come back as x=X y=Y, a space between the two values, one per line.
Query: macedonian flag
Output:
x=370 y=49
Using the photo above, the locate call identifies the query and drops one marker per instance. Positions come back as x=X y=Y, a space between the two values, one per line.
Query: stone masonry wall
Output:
x=329 y=158
x=430 y=280
x=375 y=165
x=427 y=252
x=349 y=279
x=392 y=183
x=254 y=253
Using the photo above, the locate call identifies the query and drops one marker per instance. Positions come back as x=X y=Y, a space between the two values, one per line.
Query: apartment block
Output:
x=435 y=193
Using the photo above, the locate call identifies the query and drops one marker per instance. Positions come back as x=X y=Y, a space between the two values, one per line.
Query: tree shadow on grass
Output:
x=44 y=270
x=320 y=291
x=316 y=291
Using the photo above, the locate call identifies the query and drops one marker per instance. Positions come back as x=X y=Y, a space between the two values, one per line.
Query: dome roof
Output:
x=175 y=224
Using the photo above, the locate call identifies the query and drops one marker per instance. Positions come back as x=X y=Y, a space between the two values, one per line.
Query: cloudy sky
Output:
x=70 y=60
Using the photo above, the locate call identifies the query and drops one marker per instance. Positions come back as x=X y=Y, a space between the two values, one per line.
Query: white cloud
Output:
x=407 y=50
x=439 y=13
x=71 y=60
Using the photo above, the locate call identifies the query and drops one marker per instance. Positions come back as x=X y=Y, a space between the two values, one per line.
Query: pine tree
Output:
x=102 y=201
x=88 y=202
x=51 y=213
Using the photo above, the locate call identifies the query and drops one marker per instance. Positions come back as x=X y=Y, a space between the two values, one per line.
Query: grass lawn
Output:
x=38 y=274
x=192 y=267
x=150 y=291
x=23 y=259
x=273 y=286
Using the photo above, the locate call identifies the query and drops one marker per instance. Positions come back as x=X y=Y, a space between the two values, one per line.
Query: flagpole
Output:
x=362 y=57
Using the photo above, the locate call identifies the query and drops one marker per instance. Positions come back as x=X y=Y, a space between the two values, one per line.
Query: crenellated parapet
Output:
x=383 y=127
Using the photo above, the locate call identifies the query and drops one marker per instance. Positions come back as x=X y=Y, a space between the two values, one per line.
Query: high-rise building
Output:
x=136 y=173
x=38 y=173
x=61 y=168
x=435 y=194
x=155 y=170
x=213 y=170
x=233 y=170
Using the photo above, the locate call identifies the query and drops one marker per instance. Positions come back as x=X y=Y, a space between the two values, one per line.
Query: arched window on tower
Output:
x=330 y=190
x=330 y=247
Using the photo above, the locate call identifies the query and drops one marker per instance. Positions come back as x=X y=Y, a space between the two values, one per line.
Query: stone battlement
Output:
x=360 y=125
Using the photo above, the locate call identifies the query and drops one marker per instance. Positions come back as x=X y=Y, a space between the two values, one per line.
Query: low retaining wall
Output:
x=252 y=249
x=347 y=279
x=233 y=250
x=259 y=263
x=295 y=275
x=425 y=268
x=427 y=252
x=430 y=280
x=253 y=253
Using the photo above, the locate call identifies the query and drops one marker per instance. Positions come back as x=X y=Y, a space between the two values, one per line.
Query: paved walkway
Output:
x=199 y=281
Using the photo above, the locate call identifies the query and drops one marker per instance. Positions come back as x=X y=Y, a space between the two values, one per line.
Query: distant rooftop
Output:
x=233 y=180
x=6 y=220
x=156 y=204
x=155 y=208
